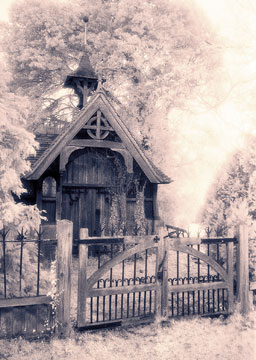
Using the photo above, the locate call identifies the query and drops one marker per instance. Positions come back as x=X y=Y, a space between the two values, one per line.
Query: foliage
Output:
x=125 y=183
x=16 y=144
x=233 y=197
x=145 y=60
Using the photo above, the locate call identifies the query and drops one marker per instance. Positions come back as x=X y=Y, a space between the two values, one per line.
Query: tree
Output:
x=155 y=52
x=16 y=144
x=233 y=195
x=159 y=58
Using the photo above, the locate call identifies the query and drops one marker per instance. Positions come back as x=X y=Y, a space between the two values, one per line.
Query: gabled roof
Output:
x=98 y=102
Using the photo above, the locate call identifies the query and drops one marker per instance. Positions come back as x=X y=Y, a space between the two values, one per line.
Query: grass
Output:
x=233 y=338
x=197 y=338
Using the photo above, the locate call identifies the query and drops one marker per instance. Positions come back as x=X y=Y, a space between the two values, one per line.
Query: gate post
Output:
x=82 y=279
x=63 y=270
x=243 y=269
x=162 y=272
x=230 y=269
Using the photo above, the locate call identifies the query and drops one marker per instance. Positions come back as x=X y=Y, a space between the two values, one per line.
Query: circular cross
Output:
x=102 y=134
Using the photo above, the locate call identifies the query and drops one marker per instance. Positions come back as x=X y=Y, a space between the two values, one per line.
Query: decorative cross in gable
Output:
x=98 y=127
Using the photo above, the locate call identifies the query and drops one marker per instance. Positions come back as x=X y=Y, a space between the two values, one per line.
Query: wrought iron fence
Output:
x=25 y=264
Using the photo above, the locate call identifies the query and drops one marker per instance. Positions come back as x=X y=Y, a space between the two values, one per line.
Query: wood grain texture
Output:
x=25 y=301
x=63 y=268
x=82 y=293
x=243 y=269
x=123 y=290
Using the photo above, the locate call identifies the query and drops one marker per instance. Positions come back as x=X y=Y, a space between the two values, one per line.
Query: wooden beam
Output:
x=230 y=269
x=96 y=143
x=63 y=269
x=59 y=197
x=82 y=293
x=122 y=290
x=243 y=269
x=198 y=286
x=74 y=185
x=25 y=301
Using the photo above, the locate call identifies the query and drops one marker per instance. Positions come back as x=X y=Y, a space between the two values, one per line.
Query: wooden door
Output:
x=86 y=208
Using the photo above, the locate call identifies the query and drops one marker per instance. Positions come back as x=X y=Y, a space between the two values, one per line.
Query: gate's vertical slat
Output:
x=38 y=262
x=198 y=276
x=98 y=285
x=134 y=282
x=165 y=280
x=4 y=233
x=82 y=280
x=122 y=295
x=243 y=273
x=188 y=275
x=158 y=293
x=230 y=256
x=208 y=277
x=178 y=275
x=111 y=278
x=146 y=274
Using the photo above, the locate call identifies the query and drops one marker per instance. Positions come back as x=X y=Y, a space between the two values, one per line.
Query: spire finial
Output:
x=85 y=20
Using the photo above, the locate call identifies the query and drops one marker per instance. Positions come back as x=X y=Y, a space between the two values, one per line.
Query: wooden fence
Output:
x=36 y=314
x=29 y=305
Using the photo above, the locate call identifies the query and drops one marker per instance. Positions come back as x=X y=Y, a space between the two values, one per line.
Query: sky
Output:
x=224 y=127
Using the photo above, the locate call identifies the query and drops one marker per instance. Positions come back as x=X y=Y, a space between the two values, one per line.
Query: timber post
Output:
x=162 y=272
x=230 y=269
x=243 y=269
x=63 y=269
x=82 y=279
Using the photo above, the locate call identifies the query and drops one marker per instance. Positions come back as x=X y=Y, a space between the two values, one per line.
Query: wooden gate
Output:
x=124 y=287
x=199 y=278
x=137 y=278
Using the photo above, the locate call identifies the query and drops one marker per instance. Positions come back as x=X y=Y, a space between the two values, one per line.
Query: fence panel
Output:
x=26 y=277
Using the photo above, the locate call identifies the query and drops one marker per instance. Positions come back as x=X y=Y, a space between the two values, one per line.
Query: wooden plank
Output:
x=25 y=301
x=101 y=241
x=218 y=240
x=96 y=143
x=122 y=290
x=63 y=268
x=30 y=319
x=199 y=286
x=84 y=185
x=42 y=318
x=18 y=326
x=82 y=280
x=115 y=239
x=6 y=322
x=230 y=269
x=164 y=289
x=243 y=269
x=184 y=241
x=139 y=320
x=59 y=197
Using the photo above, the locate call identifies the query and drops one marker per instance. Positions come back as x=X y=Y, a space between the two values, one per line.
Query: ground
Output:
x=233 y=338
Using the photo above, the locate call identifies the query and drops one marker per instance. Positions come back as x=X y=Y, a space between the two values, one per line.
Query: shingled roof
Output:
x=51 y=145
x=44 y=141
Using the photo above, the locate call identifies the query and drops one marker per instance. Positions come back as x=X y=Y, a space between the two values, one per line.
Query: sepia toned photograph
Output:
x=128 y=179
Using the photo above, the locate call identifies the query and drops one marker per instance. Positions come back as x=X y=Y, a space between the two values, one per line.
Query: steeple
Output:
x=83 y=80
